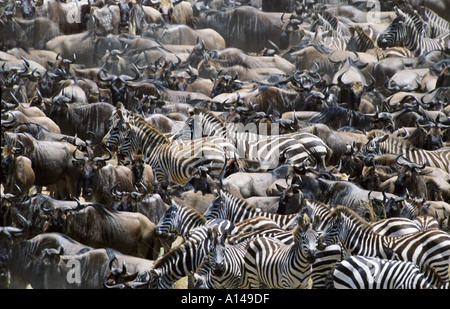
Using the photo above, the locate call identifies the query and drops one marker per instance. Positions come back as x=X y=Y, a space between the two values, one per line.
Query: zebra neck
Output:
x=359 y=239
x=192 y=219
x=149 y=138
x=177 y=263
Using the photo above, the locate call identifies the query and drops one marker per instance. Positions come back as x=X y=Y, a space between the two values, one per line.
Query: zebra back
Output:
x=273 y=264
x=362 y=272
x=426 y=248
x=179 y=220
x=234 y=209
x=394 y=227
x=381 y=142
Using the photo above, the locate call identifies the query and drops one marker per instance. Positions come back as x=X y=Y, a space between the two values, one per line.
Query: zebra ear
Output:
x=303 y=222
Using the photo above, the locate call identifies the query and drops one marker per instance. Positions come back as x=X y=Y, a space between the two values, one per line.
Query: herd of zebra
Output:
x=233 y=244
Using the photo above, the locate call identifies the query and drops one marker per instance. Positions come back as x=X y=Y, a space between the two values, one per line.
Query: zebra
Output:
x=425 y=248
x=187 y=222
x=224 y=265
x=294 y=147
x=232 y=208
x=435 y=25
x=179 y=262
x=381 y=142
x=272 y=264
x=170 y=160
x=394 y=227
x=362 y=272
x=360 y=41
x=407 y=30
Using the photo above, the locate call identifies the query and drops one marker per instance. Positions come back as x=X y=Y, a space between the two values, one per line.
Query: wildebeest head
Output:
x=118 y=84
x=120 y=278
x=225 y=83
x=28 y=9
x=428 y=134
x=124 y=9
x=409 y=177
x=200 y=180
x=9 y=234
x=88 y=166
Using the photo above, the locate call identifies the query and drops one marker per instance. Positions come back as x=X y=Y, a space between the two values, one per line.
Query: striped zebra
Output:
x=229 y=207
x=395 y=227
x=426 y=248
x=362 y=272
x=187 y=222
x=435 y=24
x=360 y=41
x=391 y=227
x=180 y=262
x=381 y=142
x=170 y=160
x=231 y=248
x=407 y=30
x=225 y=262
x=272 y=264
x=294 y=147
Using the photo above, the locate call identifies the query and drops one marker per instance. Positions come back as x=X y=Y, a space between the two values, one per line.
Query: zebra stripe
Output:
x=360 y=41
x=381 y=142
x=362 y=272
x=180 y=262
x=229 y=207
x=226 y=262
x=407 y=30
x=296 y=147
x=272 y=264
x=426 y=248
x=394 y=227
x=435 y=24
x=174 y=160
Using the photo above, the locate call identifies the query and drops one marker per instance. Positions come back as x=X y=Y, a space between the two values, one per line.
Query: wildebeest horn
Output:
x=71 y=61
x=84 y=159
x=114 y=192
x=13 y=232
x=332 y=60
x=5 y=122
x=108 y=78
x=372 y=83
x=340 y=82
x=100 y=159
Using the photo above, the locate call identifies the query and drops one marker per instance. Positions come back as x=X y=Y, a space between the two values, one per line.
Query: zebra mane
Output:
x=378 y=133
x=180 y=250
x=228 y=196
x=351 y=214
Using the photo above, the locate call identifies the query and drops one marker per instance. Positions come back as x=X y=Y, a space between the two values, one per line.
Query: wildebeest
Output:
x=52 y=162
x=128 y=232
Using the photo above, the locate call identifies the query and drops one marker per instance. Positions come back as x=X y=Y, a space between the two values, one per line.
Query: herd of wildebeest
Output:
x=331 y=110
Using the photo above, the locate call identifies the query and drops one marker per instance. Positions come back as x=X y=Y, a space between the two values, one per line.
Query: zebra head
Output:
x=217 y=250
x=216 y=209
x=330 y=229
x=306 y=236
x=166 y=226
x=394 y=34
x=158 y=280
x=118 y=127
x=373 y=145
